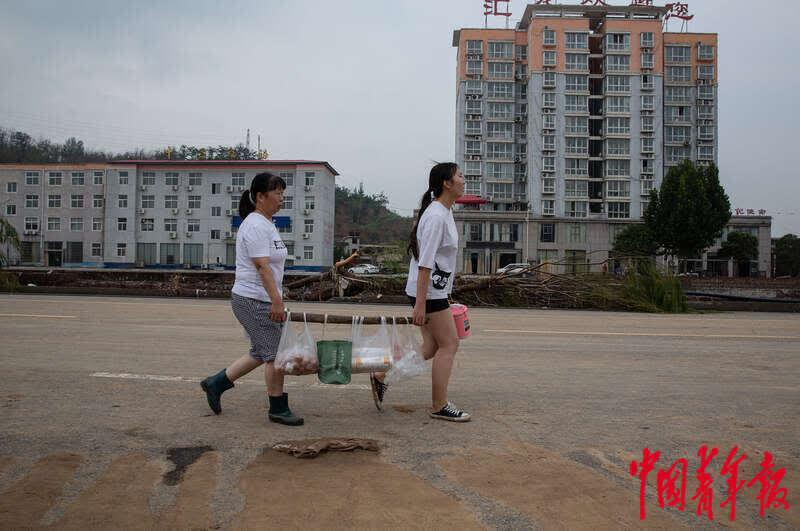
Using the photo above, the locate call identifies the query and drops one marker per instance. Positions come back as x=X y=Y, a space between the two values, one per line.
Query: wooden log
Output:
x=347 y=319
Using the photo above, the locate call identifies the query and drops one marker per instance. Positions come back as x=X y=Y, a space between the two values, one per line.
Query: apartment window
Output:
x=501 y=50
x=576 y=209
x=11 y=210
x=647 y=124
x=78 y=179
x=287 y=176
x=618 y=126
x=677 y=54
x=123 y=177
x=618 y=42
x=618 y=104
x=548 y=164
x=97 y=201
x=474 y=232
x=171 y=225
x=31 y=201
x=237 y=179
x=677 y=114
x=521 y=51
x=549 y=37
x=548 y=142
x=474 y=107
x=76 y=201
x=97 y=178
x=576 y=103
x=148 y=178
x=235 y=203
x=501 y=70
x=548 y=207
x=677 y=94
x=149 y=201
x=122 y=249
x=216 y=211
x=54 y=201
x=474 y=86
x=576 y=41
x=192 y=225
x=618 y=147
x=549 y=100
x=679 y=74
x=97 y=249
x=705 y=92
x=54 y=224
x=500 y=90
x=76 y=224
x=705 y=152
x=549 y=80
x=495 y=150
x=647 y=60
x=647 y=166
x=148 y=224
x=617 y=210
x=647 y=82
x=54 y=178
x=618 y=188
x=171 y=179
x=122 y=223
x=308 y=252
x=500 y=130
x=288 y=202
x=216 y=188
x=472 y=127
x=575 y=188
x=648 y=145
x=474 y=68
x=618 y=63
x=472 y=167
x=676 y=135
x=215 y=234
x=472 y=147
x=500 y=190
x=496 y=170
x=548 y=185
x=618 y=168
x=32 y=224
x=122 y=201
x=549 y=121
x=576 y=167
x=705 y=132
x=308 y=225
x=618 y=84
x=575 y=125
x=310 y=176
x=646 y=39
x=549 y=58
x=705 y=112
x=676 y=154
x=474 y=46
x=472 y=187
x=170 y=201
x=577 y=61
x=194 y=201
x=648 y=102
x=32 y=178
x=577 y=83
x=195 y=179
x=576 y=233
x=577 y=145
x=646 y=186
x=309 y=204
x=501 y=110
x=97 y=224
x=705 y=72
x=705 y=52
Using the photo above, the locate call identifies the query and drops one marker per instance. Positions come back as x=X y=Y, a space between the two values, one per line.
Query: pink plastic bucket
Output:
x=461 y=317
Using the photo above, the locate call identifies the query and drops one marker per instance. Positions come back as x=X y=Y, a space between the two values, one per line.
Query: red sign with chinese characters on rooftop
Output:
x=492 y=8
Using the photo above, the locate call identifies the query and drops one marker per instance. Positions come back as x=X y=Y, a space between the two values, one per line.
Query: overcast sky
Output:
x=368 y=85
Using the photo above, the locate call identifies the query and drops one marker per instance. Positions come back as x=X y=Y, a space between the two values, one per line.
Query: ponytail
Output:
x=246 y=205
x=262 y=183
x=441 y=172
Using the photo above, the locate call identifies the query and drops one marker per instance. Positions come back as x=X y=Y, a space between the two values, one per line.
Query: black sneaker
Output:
x=378 y=390
x=451 y=413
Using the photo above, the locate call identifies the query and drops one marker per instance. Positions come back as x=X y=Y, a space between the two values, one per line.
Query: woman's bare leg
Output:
x=442 y=330
x=242 y=366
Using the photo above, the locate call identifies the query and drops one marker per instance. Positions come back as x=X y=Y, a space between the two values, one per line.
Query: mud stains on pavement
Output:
x=182 y=458
x=554 y=491
x=5 y=462
x=192 y=509
x=343 y=490
x=27 y=500
x=406 y=408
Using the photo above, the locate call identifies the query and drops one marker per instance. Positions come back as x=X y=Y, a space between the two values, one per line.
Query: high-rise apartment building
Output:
x=565 y=123
x=160 y=213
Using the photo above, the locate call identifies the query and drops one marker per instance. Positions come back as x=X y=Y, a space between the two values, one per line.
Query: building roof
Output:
x=656 y=12
x=170 y=162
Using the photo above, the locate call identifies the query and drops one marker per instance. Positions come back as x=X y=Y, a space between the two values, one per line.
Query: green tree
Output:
x=635 y=240
x=740 y=246
x=689 y=211
x=787 y=255
x=8 y=239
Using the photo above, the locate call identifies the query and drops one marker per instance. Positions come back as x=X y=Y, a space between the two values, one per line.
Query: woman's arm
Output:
x=422 y=294
x=262 y=266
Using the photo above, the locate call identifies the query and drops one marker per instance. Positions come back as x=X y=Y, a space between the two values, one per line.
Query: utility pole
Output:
x=247 y=142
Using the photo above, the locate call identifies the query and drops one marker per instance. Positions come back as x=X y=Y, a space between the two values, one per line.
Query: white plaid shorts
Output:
x=264 y=333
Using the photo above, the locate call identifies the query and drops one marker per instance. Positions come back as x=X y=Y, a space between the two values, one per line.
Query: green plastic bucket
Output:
x=335 y=359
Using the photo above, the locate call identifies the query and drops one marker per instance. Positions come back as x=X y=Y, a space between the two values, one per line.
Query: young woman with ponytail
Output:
x=433 y=245
x=256 y=297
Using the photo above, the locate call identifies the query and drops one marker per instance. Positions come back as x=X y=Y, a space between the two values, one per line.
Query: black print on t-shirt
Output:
x=439 y=277
x=279 y=244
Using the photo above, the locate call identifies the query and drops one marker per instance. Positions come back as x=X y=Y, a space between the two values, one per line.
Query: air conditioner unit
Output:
x=175 y=187
x=188 y=234
x=229 y=188
x=30 y=232
x=188 y=210
x=189 y=188
x=488 y=197
x=517 y=159
x=140 y=211
x=240 y=188
x=142 y=188
x=229 y=212
x=306 y=212
x=176 y=210
x=228 y=234
x=307 y=188
x=173 y=235
x=306 y=235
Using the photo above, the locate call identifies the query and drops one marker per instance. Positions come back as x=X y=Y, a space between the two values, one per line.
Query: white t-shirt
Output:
x=258 y=238
x=437 y=241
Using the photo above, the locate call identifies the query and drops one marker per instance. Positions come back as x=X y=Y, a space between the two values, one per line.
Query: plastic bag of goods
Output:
x=407 y=355
x=297 y=352
x=371 y=352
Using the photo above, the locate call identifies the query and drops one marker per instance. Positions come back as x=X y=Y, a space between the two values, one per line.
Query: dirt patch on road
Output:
x=338 y=491
x=26 y=501
x=192 y=509
x=553 y=491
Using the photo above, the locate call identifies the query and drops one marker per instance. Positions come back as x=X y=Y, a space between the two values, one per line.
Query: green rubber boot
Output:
x=279 y=411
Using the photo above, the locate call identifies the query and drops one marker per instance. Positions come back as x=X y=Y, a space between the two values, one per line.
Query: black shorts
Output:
x=431 y=305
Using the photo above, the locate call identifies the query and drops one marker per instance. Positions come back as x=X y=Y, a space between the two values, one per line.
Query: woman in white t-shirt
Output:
x=256 y=297
x=434 y=248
